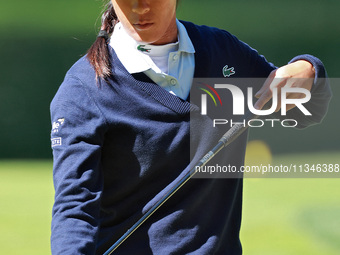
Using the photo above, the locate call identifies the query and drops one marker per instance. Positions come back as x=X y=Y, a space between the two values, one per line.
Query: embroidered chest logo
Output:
x=142 y=49
x=227 y=72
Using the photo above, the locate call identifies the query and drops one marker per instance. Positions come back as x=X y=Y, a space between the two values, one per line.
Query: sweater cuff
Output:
x=320 y=71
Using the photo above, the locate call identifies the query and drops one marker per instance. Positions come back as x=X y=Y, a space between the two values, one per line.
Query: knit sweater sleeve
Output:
x=77 y=135
x=320 y=95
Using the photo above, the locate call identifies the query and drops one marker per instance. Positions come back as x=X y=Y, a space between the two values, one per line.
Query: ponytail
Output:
x=98 y=54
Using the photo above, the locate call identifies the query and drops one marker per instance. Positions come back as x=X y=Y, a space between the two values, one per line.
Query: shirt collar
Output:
x=185 y=44
x=126 y=49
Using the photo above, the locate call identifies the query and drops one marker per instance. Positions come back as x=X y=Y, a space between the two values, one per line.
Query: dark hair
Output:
x=98 y=54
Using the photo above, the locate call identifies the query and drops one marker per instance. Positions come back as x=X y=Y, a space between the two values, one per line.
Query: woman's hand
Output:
x=299 y=74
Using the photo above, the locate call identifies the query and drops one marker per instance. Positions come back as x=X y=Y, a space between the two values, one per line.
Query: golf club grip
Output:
x=226 y=139
x=237 y=129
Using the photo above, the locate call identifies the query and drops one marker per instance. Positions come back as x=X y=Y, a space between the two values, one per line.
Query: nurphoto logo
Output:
x=244 y=99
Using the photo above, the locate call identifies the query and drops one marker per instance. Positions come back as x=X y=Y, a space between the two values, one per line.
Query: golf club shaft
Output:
x=225 y=140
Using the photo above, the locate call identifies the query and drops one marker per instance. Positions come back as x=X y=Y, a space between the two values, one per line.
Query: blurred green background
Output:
x=40 y=40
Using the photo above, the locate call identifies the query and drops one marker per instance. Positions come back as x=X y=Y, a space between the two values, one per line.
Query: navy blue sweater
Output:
x=118 y=147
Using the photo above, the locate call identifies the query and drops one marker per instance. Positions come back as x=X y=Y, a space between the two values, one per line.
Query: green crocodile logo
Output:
x=227 y=72
x=142 y=49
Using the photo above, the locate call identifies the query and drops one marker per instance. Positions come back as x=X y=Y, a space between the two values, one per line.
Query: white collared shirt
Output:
x=171 y=66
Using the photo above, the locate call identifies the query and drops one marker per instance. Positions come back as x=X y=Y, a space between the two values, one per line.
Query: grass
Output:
x=26 y=196
x=291 y=216
x=280 y=215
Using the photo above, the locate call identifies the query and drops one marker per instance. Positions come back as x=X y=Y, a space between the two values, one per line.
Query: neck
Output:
x=170 y=36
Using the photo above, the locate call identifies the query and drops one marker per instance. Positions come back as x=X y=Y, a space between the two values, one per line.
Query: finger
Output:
x=273 y=89
x=263 y=99
x=265 y=85
x=290 y=106
x=277 y=85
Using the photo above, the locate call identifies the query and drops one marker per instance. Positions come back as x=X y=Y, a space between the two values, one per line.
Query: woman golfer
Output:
x=120 y=135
